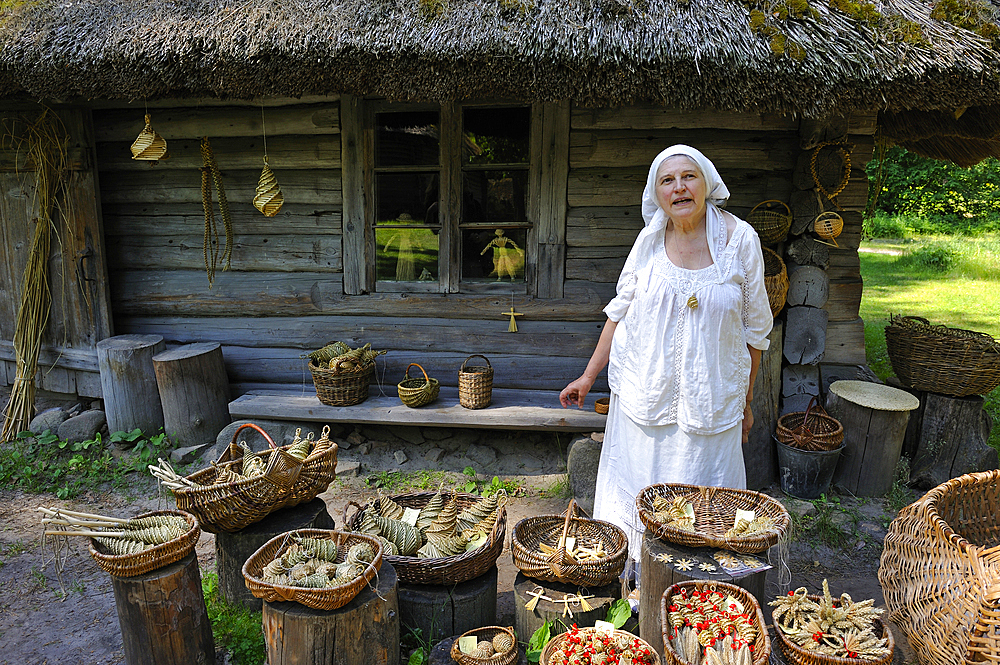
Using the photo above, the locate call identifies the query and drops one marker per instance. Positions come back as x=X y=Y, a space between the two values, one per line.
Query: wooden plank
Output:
x=759 y=454
x=56 y=380
x=170 y=219
x=603 y=226
x=727 y=149
x=283 y=153
x=170 y=103
x=188 y=121
x=510 y=409
x=88 y=384
x=648 y=116
x=358 y=272
x=57 y=356
x=844 y=303
x=17 y=207
x=553 y=168
x=623 y=187
x=275 y=253
x=845 y=342
x=863 y=123
x=595 y=269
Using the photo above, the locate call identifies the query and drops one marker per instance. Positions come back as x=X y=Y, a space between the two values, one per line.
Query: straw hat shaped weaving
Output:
x=149 y=146
x=268 y=198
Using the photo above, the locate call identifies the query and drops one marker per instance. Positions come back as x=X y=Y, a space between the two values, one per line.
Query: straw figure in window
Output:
x=508 y=258
x=409 y=247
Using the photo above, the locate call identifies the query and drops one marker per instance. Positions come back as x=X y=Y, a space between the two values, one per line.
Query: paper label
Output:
x=689 y=510
x=410 y=516
x=604 y=627
x=570 y=542
x=733 y=606
x=747 y=515
x=468 y=643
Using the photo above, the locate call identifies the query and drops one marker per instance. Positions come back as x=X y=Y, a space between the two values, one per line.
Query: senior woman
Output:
x=683 y=342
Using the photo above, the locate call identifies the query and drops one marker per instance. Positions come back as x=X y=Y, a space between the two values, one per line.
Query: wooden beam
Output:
x=553 y=169
x=316 y=187
x=357 y=269
x=727 y=149
x=623 y=186
x=171 y=219
x=285 y=153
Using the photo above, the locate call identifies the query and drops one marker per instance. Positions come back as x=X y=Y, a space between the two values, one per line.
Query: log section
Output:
x=439 y=611
x=128 y=382
x=194 y=392
x=528 y=621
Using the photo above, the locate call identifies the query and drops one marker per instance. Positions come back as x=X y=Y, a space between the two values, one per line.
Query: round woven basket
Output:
x=796 y=655
x=771 y=220
x=828 y=225
x=555 y=644
x=475 y=384
x=715 y=513
x=488 y=634
x=418 y=392
x=335 y=388
x=602 y=405
x=775 y=280
x=813 y=429
x=156 y=557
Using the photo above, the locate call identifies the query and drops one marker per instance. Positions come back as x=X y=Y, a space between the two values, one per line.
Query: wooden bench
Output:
x=510 y=409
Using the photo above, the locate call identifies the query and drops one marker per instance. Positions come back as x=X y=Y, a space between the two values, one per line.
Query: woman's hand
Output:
x=747 y=423
x=576 y=392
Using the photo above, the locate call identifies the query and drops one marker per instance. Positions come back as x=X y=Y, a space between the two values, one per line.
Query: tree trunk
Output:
x=759 y=456
x=128 y=382
x=805 y=336
x=952 y=440
x=528 y=621
x=194 y=391
x=440 y=611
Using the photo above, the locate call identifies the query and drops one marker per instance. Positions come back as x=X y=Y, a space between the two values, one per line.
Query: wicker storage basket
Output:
x=556 y=642
x=775 y=280
x=940 y=571
x=761 y=644
x=336 y=388
x=418 y=392
x=715 y=513
x=475 y=384
x=553 y=530
x=771 y=220
x=602 y=405
x=158 y=556
x=234 y=505
x=796 y=655
x=487 y=633
x=813 y=429
x=444 y=570
x=328 y=598
x=938 y=359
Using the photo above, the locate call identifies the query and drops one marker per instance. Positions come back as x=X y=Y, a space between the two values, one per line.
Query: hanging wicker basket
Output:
x=813 y=429
x=775 y=280
x=149 y=146
x=475 y=384
x=771 y=220
x=418 y=392
x=829 y=225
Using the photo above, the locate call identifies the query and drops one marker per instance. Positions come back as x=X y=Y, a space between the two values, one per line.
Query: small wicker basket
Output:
x=416 y=392
x=775 y=280
x=771 y=220
x=828 y=225
x=796 y=655
x=602 y=405
x=488 y=634
x=556 y=642
x=164 y=554
x=813 y=429
x=336 y=388
x=475 y=384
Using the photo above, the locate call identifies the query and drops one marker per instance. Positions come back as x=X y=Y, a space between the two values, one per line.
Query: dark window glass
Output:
x=406 y=139
x=494 y=196
x=493 y=254
x=496 y=135
x=410 y=197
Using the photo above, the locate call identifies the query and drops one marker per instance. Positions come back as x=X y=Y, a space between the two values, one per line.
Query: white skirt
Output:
x=635 y=456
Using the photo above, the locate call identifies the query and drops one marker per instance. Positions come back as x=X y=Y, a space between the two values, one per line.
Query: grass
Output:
x=235 y=627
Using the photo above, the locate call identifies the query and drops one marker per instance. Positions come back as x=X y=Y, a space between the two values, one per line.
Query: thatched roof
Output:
x=701 y=53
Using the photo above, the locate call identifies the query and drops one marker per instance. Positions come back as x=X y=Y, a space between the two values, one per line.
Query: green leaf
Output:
x=469 y=471
x=417 y=658
x=619 y=613
x=540 y=637
x=533 y=655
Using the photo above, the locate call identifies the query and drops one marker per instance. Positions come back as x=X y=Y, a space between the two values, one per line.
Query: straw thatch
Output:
x=965 y=136
x=695 y=54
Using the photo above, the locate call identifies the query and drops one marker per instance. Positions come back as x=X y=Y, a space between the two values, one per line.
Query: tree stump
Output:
x=805 y=205
x=657 y=575
x=363 y=632
x=441 y=653
x=759 y=456
x=233 y=549
x=163 y=617
x=800 y=380
x=805 y=335
x=874 y=418
x=528 y=621
x=128 y=382
x=439 y=611
x=194 y=392
x=951 y=440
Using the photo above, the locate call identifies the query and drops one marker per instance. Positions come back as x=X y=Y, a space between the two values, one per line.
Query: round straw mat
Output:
x=875 y=395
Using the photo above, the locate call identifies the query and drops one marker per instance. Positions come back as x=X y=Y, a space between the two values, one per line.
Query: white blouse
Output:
x=673 y=364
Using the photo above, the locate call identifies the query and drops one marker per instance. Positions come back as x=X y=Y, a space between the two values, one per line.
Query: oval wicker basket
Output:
x=796 y=655
x=938 y=571
x=775 y=280
x=336 y=388
x=602 y=405
x=487 y=633
x=939 y=359
x=475 y=384
x=813 y=429
x=771 y=220
x=715 y=513
x=416 y=392
x=328 y=598
x=553 y=530
x=555 y=644
x=156 y=557
x=762 y=642
x=828 y=225
x=444 y=570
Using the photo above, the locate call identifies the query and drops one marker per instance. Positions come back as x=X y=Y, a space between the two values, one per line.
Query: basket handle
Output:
x=350 y=521
x=476 y=355
x=406 y=374
x=570 y=514
x=239 y=429
x=767 y=205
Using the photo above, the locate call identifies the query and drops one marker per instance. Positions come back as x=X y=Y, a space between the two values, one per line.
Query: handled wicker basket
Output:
x=715 y=513
x=488 y=634
x=771 y=220
x=553 y=530
x=416 y=392
x=156 y=557
x=335 y=387
x=555 y=644
x=475 y=384
x=796 y=655
x=813 y=429
x=326 y=598
x=775 y=280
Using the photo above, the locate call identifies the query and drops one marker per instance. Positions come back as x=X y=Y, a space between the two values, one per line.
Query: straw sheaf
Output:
x=597 y=52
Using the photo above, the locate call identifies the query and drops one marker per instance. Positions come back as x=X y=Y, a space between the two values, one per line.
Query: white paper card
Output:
x=747 y=515
x=604 y=627
x=733 y=606
x=570 y=542
x=410 y=516
x=467 y=644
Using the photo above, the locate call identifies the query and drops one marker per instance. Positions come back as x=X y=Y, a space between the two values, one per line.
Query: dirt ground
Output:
x=42 y=623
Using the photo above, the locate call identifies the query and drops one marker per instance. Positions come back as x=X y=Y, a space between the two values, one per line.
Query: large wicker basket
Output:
x=775 y=280
x=553 y=530
x=475 y=384
x=940 y=571
x=715 y=513
x=556 y=642
x=938 y=359
x=771 y=220
x=335 y=387
x=796 y=655
x=761 y=644
x=813 y=429
x=156 y=557
x=444 y=570
x=234 y=505
x=486 y=633
x=327 y=598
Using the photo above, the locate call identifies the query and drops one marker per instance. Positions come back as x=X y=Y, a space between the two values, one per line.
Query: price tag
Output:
x=733 y=606
x=570 y=542
x=410 y=516
x=605 y=627
x=747 y=515
x=467 y=644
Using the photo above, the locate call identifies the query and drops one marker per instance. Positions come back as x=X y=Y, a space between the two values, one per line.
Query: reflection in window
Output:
x=406 y=254
x=407 y=139
x=493 y=254
x=495 y=196
x=496 y=135
x=412 y=194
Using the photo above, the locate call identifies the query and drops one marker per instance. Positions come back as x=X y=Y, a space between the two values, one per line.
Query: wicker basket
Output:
x=715 y=513
x=416 y=392
x=761 y=644
x=232 y=506
x=555 y=644
x=328 y=598
x=938 y=359
x=813 y=429
x=796 y=655
x=602 y=405
x=336 y=388
x=829 y=225
x=939 y=571
x=445 y=570
x=475 y=384
x=553 y=530
x=775 y=280
x=156 y=557
x=771 y=220
x=487 y=633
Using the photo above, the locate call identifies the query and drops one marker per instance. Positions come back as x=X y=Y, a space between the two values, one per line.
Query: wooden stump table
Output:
x=658 y=570
x=163 y=617
x=233 y=549
x=363 y=632
x=128 y=382
x=528 y=621
x=439 y=611
x=194 y=392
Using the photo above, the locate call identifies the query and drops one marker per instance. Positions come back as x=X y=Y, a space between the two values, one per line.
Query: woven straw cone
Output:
x=556 y=642
x=268 y=198
x=775 y=280
x=164 y=554
x=486 y=633
x=149 y=146
x=796 y=655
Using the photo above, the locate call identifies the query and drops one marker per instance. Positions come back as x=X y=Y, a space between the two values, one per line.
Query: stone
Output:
x=873 y=530
x=841 y=520
x=342 y=444
x=597 y=437
x=281 y=431
x=435 y=433
x=800 y=508
x=83 y=427
x=434 y=455
x=408 y=434
x=400 y=457
x=364 y=448
x=189 y=454
x=97 y=405
x=584 y=457
x=48 y=420
x=483 y=456
x=348 y=469
x=355 y=438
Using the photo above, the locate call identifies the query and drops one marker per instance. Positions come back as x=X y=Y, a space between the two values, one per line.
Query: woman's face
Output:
x=681 y=189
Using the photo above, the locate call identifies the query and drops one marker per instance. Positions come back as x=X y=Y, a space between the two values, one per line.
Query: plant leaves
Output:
x=540 y=637
x=619 y=613
x=417 y=658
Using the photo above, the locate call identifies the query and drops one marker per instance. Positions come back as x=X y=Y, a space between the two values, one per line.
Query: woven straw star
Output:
x=664 y=558
x=707 y=567
x=684 y=564
x=751 y=562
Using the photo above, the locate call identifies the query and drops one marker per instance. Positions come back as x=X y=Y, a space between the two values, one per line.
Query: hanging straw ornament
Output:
x=149 y=146
x=828 y=225
x=268 y=198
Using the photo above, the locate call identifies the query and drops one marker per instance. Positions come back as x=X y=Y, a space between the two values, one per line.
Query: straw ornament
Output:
x=431 y=510
x=300 y=450
x=445 y=521
x=360 y=553
x=828 y=225
x=407 y=538
x=149 y=146
x=386 y=507
x=268 y=197
x=321 y=548
x=323 y=443
x=388 y=547
x=477 y=512
x=252 y=464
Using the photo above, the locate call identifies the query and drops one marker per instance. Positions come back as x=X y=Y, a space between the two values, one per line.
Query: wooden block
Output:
x=795 y=403
x=128 y=382
x=808 y=285
x=528 y=621
x=88 y=384
x=194 y=392
x=439 y=611
x=845 y=342
x=806 y=251
x=805 y=335
x=799 y=380
x=830 y=372
x=163 y=617
x=363 y=632
x=952 y=441
x=805 y=205
x=759 y=456
x=233 y=549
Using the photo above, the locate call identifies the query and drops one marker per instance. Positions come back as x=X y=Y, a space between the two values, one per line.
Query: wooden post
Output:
x=528 y=621
x=363 y=632
x=163 y=617
x=233 y=549
x=657 y=575
x=440 y=611
x=808 y=285
x=194 y=392
x=759 y=456
x=952 y=440
x=128 y=382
